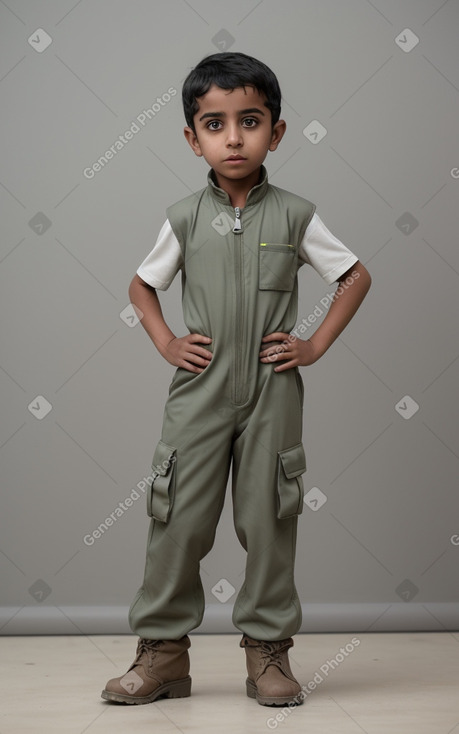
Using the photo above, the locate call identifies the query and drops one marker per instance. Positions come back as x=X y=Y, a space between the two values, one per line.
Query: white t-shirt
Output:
x=319 y=248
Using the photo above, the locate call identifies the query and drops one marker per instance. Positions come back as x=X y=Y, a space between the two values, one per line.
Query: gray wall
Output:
x=382 y=551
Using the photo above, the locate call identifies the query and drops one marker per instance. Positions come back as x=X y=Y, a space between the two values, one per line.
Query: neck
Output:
x=238 y=189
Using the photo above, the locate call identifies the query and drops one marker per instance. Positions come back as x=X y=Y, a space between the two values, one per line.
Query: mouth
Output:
x=235 y=158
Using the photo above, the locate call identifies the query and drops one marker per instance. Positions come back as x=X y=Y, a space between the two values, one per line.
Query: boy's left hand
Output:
x=295 y=352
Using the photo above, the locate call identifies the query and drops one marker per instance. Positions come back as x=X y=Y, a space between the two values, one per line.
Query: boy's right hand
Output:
x=186 y=352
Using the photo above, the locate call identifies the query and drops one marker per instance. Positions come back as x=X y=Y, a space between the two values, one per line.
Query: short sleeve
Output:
x=164 y=261
x=325 y=252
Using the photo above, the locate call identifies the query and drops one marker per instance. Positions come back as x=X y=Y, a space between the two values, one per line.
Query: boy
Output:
x=237 y=394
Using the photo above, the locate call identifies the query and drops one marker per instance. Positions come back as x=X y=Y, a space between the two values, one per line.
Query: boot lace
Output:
x=148 y=647
x=271 y=653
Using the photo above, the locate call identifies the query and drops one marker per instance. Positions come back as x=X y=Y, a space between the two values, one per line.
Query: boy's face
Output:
x=234 y=132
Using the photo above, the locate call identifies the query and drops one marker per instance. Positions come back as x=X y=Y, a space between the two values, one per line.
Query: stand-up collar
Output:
x=255 y=194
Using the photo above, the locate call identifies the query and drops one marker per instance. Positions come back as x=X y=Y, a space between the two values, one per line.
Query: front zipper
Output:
x=237 y=222
x=238 y=386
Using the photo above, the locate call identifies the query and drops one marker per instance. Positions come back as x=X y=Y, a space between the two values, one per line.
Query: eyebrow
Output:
x=223 y=114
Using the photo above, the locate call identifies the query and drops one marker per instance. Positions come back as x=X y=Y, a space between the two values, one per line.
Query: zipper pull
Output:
x=237 y=222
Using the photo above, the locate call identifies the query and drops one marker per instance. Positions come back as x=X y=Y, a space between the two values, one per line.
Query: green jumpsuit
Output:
x=239 y=283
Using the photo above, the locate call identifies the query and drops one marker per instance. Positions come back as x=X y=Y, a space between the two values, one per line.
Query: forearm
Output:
x=186 y=351
x=345 y=304
x=146 y=300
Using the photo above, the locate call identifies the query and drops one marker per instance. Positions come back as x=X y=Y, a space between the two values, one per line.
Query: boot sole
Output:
x=252 y=692
x=172 y=689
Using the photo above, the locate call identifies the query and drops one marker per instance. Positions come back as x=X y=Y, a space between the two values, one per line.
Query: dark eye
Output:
x=250 y=122
x=214 y=125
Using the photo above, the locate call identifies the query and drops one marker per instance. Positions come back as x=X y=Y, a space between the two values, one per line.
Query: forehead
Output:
x=229 y=101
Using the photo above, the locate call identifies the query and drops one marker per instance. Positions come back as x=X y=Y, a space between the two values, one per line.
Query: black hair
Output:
x=230 y=70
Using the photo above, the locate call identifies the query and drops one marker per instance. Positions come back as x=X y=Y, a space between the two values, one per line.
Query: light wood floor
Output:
x=387 y=683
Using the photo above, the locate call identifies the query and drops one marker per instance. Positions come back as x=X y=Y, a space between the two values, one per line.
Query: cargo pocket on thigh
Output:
x=160 y=496
x=291 y=465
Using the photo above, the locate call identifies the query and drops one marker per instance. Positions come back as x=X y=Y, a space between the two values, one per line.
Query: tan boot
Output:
x=270 y=680
x=161 y=669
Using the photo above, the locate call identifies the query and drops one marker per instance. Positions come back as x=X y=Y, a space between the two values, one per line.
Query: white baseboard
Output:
x=319 y=618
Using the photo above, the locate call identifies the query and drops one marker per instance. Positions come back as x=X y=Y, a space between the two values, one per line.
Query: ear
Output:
x=192 y=140
x=277 y=134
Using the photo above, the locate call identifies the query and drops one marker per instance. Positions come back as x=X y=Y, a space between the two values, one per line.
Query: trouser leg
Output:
x=267 y=606
x=170 y=601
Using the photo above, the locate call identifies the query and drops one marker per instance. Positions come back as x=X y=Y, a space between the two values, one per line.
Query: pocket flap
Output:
x=293 y=461
x=163 y=459
x=278 y=266
x=160 y=496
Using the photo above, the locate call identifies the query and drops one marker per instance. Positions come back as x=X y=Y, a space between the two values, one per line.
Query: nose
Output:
x=234 y=136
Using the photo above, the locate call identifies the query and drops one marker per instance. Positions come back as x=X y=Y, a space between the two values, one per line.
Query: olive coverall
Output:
x=239 y=283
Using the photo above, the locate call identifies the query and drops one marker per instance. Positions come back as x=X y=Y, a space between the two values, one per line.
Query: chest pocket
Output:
x=277 y=266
